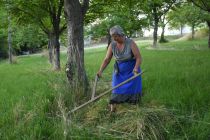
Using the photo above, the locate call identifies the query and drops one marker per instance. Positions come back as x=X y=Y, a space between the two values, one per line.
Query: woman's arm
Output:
x=137 y=55
x=106 y=60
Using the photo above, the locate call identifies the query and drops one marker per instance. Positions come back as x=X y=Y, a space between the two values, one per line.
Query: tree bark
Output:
x=75 y=69
x=208 y=23
x=54 y=50
x=181 y=29
x=50 y=49
x=9 y=40
x=56 y=45
x=156 y=20
x=55 y=12
x=162 y=37
x=193 y=31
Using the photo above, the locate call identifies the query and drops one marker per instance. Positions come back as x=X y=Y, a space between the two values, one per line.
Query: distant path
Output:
x=94 y=46
x=63 y=49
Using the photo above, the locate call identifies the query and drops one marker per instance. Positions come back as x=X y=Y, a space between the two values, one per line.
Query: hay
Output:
x=130 y=122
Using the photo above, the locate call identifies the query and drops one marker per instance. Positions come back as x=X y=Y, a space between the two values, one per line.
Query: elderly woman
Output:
x=128 y=60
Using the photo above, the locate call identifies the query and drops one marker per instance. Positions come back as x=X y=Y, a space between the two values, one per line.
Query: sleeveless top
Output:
x=124 y=55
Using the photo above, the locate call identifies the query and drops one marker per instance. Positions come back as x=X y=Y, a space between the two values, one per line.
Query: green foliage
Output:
x=156 y=8
x=24 y=38
x=186 y=14
x=204 y=5
x=3 y=48
x=47 y=15
x=109 y=13
x=3 y=32
x=28 y=38
x=4 y=20
x=27 y=12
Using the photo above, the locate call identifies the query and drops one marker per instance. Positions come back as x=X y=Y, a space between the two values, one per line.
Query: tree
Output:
x=155 y=10
x=188 y=14
x=74 y=13
x=205 y=6
x=28 y=38
x=177 y=20
x=47 y=14
x=163 y=23
x=125 y=13
x=9 y=39
x=3 y=33
x=193 y=16
x=4 y=6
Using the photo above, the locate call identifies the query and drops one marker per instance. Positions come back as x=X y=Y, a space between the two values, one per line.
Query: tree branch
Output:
x=197 y=4
x=85 y=6
x=43 y=27
x=63 y=28
x=52 y=13
x=60 y=7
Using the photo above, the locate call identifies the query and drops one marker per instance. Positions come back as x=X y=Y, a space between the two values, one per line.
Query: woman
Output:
x=128 y=60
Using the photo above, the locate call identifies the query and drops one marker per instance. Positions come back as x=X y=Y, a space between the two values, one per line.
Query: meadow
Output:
x=34 y=99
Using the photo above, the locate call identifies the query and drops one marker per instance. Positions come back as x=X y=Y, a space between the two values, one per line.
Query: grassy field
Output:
x=34 y=99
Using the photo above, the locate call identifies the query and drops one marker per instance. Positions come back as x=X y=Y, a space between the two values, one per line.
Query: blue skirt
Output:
x=129 y=92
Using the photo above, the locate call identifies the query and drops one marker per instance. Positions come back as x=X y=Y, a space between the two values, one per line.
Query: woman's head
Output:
x=116 y=30
x=117 y=33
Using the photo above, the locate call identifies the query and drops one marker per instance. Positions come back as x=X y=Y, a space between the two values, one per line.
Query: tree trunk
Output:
x=193 y=31
x=75 y=52
x=162 y=37
x=50 y=49
x=208 y=23
x=181 y=30
x=156 y=20
x=9 y=40
x=54 y=50
x=56 y=45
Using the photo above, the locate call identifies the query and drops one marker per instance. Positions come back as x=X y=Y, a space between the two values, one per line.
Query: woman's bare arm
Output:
x=106 y=61
x=137 y=55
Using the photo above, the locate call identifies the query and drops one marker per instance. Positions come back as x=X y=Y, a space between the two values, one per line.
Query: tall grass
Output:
x=35 y=99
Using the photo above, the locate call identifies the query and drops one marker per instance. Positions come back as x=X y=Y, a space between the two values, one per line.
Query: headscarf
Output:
x=116 y=30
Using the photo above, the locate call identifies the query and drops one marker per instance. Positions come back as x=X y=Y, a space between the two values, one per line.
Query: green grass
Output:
x=175 y=105
x=197 y=44
x=24 y=92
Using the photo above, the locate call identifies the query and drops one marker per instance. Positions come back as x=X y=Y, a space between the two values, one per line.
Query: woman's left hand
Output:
x=135 y=71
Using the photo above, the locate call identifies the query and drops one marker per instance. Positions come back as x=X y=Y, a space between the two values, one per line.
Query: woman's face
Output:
x=116 y=37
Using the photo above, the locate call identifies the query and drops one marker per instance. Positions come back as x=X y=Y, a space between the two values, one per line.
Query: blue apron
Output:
x=129 y=92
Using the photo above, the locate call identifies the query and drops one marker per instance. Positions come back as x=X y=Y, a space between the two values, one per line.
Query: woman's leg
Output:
x=113 y=107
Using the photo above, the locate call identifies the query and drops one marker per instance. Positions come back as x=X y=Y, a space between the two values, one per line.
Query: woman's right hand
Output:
x=99 y=73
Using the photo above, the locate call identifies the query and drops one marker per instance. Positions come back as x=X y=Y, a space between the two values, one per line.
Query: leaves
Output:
x=186 y=14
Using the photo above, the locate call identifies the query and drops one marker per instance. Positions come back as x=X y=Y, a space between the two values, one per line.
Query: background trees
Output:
x=3 y=32
x=6 y=31
x=28 y=38
x=186 y=14
x=154 y=10
x=135 y=15
x=125 y=13
x=46 y=15
x=205 y=6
